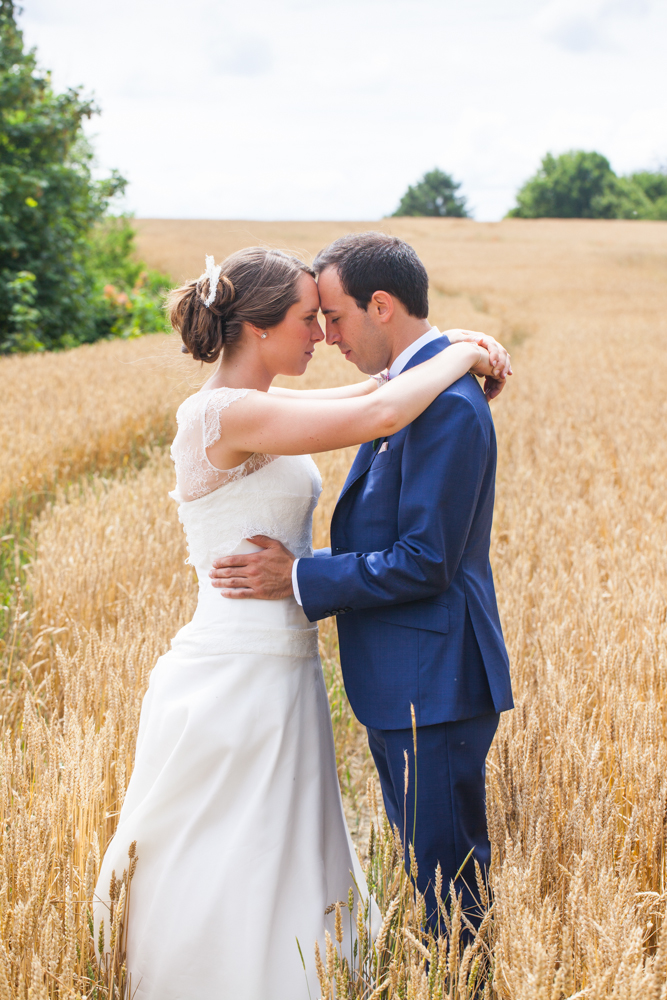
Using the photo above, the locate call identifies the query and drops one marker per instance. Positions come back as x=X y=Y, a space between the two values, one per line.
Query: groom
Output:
x=408 y=573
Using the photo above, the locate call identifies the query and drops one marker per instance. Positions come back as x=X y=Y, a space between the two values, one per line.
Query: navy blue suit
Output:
x=409 y=578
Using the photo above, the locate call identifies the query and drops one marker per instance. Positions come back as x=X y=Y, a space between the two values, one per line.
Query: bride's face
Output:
x=289 y=345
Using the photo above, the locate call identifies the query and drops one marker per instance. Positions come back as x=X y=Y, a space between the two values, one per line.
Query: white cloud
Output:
x=330 y=108
x=585 y=25
x=240 y=53
x=579 y=34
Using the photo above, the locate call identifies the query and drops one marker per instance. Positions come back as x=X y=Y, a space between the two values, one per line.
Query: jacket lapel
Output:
x=366 y=453
x=360 y=466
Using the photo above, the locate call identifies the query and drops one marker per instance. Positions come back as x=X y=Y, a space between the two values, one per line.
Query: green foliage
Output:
x=49 y=207
x=653 y=184
x=434 y=195
x=24 y=318
x=128 y=297
x=582 y=185
x=571 y=186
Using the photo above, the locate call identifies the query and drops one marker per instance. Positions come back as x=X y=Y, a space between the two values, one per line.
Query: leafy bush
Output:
x=434 y=195
x=127 y=296
x=582 y=185
x=50 y=249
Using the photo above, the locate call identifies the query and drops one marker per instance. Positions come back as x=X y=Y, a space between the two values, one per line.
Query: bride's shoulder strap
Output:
x=217 y=401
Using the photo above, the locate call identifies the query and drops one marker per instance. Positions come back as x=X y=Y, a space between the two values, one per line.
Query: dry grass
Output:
x=94 y=407
x=578 y=773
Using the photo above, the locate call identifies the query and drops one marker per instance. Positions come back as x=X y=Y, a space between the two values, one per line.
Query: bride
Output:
x=234 y=801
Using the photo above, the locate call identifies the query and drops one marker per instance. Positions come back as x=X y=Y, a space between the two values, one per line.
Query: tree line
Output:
x=68 y=271
x=575 y=185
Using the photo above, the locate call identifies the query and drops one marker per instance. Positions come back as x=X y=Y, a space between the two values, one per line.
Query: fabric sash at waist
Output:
x=198 y=640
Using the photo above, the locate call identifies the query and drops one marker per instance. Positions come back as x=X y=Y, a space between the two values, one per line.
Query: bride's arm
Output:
x=273 y=424
x=337 y=392
x=500 y=362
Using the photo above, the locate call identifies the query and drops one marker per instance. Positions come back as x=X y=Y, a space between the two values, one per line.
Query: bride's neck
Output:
x=241 y=369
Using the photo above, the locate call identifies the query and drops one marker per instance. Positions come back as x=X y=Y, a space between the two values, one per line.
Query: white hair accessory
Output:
x=212 y=272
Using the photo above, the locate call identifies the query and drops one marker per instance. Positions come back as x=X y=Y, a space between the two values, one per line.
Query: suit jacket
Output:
x=409 y=556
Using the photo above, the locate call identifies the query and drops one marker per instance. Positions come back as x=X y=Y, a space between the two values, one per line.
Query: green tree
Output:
x=582 y=185
x=653 y=184
x=574 y=185
x=48 y=201
x=51 y=210
x=434 y=195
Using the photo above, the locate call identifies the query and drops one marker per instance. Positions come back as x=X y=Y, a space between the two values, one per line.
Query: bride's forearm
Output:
x=267 y=423
x=411 y=392
x=500 y=360
x=336 y=392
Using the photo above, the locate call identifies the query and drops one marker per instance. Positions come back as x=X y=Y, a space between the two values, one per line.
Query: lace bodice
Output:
x=198 y=420
x=277 y=500
x=268 y=495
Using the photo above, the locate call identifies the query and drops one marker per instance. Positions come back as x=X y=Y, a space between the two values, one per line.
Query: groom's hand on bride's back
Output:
x=266 y=575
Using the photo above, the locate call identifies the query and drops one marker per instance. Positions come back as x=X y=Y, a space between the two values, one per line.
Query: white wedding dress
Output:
x=234 y=800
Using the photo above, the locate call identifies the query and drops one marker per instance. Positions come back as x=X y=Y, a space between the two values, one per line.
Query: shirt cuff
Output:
x=295 y=583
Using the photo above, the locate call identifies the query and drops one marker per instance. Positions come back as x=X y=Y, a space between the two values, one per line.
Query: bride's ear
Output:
x=257 y=331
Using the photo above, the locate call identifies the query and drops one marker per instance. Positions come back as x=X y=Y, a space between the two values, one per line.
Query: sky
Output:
x=328 y=109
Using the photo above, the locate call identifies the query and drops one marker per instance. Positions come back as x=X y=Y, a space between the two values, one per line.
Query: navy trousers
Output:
x=450 y=816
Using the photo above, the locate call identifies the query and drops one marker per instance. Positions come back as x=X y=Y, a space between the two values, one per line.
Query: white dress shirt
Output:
x=410 y=351
x=396 y=369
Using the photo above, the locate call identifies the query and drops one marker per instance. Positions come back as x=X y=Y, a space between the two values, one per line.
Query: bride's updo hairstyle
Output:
x=255 y=286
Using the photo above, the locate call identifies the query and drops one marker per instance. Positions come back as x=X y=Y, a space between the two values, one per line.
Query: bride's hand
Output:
x=500 y=359
x=484 y=366
x=486 y=369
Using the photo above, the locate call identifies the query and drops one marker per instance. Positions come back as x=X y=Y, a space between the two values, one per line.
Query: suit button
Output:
x=346 y=610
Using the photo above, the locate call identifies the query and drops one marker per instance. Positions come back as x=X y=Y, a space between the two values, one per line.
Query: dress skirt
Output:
x=241 y=838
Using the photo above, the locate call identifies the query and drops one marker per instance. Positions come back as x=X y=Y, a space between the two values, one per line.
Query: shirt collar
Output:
x=410 y=351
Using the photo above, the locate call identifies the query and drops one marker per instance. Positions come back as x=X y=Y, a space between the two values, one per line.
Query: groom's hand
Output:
x=266 y=575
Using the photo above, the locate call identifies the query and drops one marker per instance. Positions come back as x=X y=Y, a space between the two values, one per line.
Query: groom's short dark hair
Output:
x=375 y=262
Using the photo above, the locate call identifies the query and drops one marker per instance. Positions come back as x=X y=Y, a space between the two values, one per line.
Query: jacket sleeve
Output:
x=445 y=456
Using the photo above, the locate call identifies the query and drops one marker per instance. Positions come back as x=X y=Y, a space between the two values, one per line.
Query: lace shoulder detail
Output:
x=198 y=421
x=218 y=400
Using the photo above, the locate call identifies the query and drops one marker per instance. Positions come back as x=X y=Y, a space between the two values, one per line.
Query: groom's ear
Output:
x=381 y=307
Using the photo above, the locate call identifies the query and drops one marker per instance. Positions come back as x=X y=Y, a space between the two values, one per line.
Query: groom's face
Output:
x=360 y=337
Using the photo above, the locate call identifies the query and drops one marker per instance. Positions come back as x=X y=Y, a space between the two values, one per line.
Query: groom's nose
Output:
x=332 y=334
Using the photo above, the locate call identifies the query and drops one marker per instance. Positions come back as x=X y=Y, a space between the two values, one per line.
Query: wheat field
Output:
x=577 y=776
